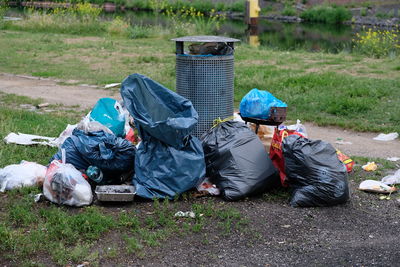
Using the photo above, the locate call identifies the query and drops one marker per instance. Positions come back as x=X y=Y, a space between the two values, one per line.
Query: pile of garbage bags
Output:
x=146 y=140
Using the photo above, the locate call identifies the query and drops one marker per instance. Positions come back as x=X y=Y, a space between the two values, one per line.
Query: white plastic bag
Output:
x=64 y=184
x=298 y=127
x=29 y=139
x=386 y=137
x=86 y=125
x=392 y=179
x=376 y=187
x=24 y=174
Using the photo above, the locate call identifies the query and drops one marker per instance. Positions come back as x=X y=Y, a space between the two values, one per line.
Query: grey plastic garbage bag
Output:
x=314 y=172
x=236 y=161
x=112 y=154
x=158 y=111
x=169 y=161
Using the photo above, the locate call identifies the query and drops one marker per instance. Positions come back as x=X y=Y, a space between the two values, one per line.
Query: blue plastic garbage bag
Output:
x=158 y=111
x=108 y=112
x=112 y=154
x=169 y=161
x=257 y=104
x=162 y=171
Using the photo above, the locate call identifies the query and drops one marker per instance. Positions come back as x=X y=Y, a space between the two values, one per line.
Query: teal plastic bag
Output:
x=108 y=112
x=257 y=104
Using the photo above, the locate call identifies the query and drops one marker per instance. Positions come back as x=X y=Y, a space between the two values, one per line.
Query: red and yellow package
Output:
x=348 y=162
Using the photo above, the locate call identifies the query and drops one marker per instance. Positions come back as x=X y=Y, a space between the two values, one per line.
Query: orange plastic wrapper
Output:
x=348 y=162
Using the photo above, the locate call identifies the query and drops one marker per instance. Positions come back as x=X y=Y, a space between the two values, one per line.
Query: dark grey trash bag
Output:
x=236 y=161
x=314 y=172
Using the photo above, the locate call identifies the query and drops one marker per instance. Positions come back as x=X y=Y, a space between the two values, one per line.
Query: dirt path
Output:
x=362 y=144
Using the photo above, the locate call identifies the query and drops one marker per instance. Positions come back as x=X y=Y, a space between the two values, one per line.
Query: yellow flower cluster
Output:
x=377 y=43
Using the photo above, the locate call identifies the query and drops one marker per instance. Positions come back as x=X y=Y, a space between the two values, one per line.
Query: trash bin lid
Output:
x=206 y=39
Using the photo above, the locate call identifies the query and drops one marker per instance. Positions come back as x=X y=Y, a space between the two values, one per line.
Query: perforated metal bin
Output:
x=206 y=80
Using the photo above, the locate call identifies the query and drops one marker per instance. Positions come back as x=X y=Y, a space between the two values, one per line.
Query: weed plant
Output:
x=187 y=21
x=326 y=14
x=377 y=43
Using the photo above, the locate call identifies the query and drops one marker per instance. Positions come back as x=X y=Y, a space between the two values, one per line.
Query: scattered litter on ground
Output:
x=348 y=162
x=393 y=158
x=386 y=137
x=112 y=85
x=314 y=173
x=392 y=179
x=38 y=197
x=208 y=187
x=188 y=214
x=84 y=264
x=370 y=167
x=43 y=105
x=29 y=139
x=342 y=142
x=24 y=174
x=376 y=187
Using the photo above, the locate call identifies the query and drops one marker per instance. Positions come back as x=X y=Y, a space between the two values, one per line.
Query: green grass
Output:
x=326 y=14
x=43 y=233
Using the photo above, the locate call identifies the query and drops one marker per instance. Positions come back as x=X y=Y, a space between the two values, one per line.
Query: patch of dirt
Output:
x=81 y=39
x=362 y=144
x=48 y=90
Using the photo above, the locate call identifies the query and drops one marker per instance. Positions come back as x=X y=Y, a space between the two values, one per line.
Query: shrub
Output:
x=363 y=11
x=326 y=14
x=119 y=27
x=377 y=43
x=289 y=11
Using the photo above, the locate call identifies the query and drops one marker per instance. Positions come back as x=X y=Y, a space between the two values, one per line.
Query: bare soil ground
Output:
x=362 y=144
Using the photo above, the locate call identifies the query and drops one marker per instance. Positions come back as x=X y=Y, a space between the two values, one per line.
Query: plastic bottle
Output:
x=94 y=174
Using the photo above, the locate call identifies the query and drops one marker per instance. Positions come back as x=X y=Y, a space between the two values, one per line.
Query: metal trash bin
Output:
x=206 y=80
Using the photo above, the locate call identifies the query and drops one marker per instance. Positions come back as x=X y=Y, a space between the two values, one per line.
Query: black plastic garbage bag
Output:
x=112 y=154
x=158 y=111
x=237 y=161
x=169 y=161
x=314 y=172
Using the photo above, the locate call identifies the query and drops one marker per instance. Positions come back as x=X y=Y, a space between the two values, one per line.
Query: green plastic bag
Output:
x=108 y=112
